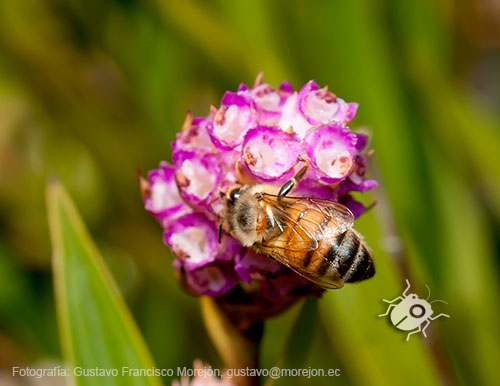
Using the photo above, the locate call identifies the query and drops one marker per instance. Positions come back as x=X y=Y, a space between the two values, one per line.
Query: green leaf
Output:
x=96 y=328
x=299 y=341
x=301 y=336
x=370 y=347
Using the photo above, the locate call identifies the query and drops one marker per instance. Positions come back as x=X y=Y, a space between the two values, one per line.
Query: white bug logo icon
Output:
x=411 y=313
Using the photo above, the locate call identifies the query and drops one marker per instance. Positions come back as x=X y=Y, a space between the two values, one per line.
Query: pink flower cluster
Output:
x=256 y=135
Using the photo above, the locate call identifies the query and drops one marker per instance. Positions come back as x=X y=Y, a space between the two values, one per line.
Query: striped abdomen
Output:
x=343 y=257
x=317 y=247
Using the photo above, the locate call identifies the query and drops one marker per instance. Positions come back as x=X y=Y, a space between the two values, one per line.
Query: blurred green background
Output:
x=90 y=91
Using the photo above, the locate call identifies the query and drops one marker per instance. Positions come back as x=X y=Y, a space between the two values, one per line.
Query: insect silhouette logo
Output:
x=410 y=313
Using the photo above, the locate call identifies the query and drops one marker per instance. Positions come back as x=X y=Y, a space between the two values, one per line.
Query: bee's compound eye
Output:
x=417 y=310
x=234 y=194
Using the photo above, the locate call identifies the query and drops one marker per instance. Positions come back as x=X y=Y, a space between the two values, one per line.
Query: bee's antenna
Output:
x=222 y=195
x=371 y=206
x=437 y=300
x=220 y=233
x=429 y=290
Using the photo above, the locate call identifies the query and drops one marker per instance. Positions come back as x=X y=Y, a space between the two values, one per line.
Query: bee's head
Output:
x=243 y=214
x=231 y=196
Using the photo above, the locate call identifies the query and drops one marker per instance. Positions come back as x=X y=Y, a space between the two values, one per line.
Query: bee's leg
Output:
x=220 y=233
x=290 y=184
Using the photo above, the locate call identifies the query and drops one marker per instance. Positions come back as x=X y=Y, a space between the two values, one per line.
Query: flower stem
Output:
x=238 y=349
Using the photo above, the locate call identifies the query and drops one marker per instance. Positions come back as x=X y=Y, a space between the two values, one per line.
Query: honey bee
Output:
x=314 y=237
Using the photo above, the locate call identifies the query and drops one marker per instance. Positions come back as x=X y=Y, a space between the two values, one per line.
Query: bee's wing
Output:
x=286 y=212
x=340 y=213
x=309 y=221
